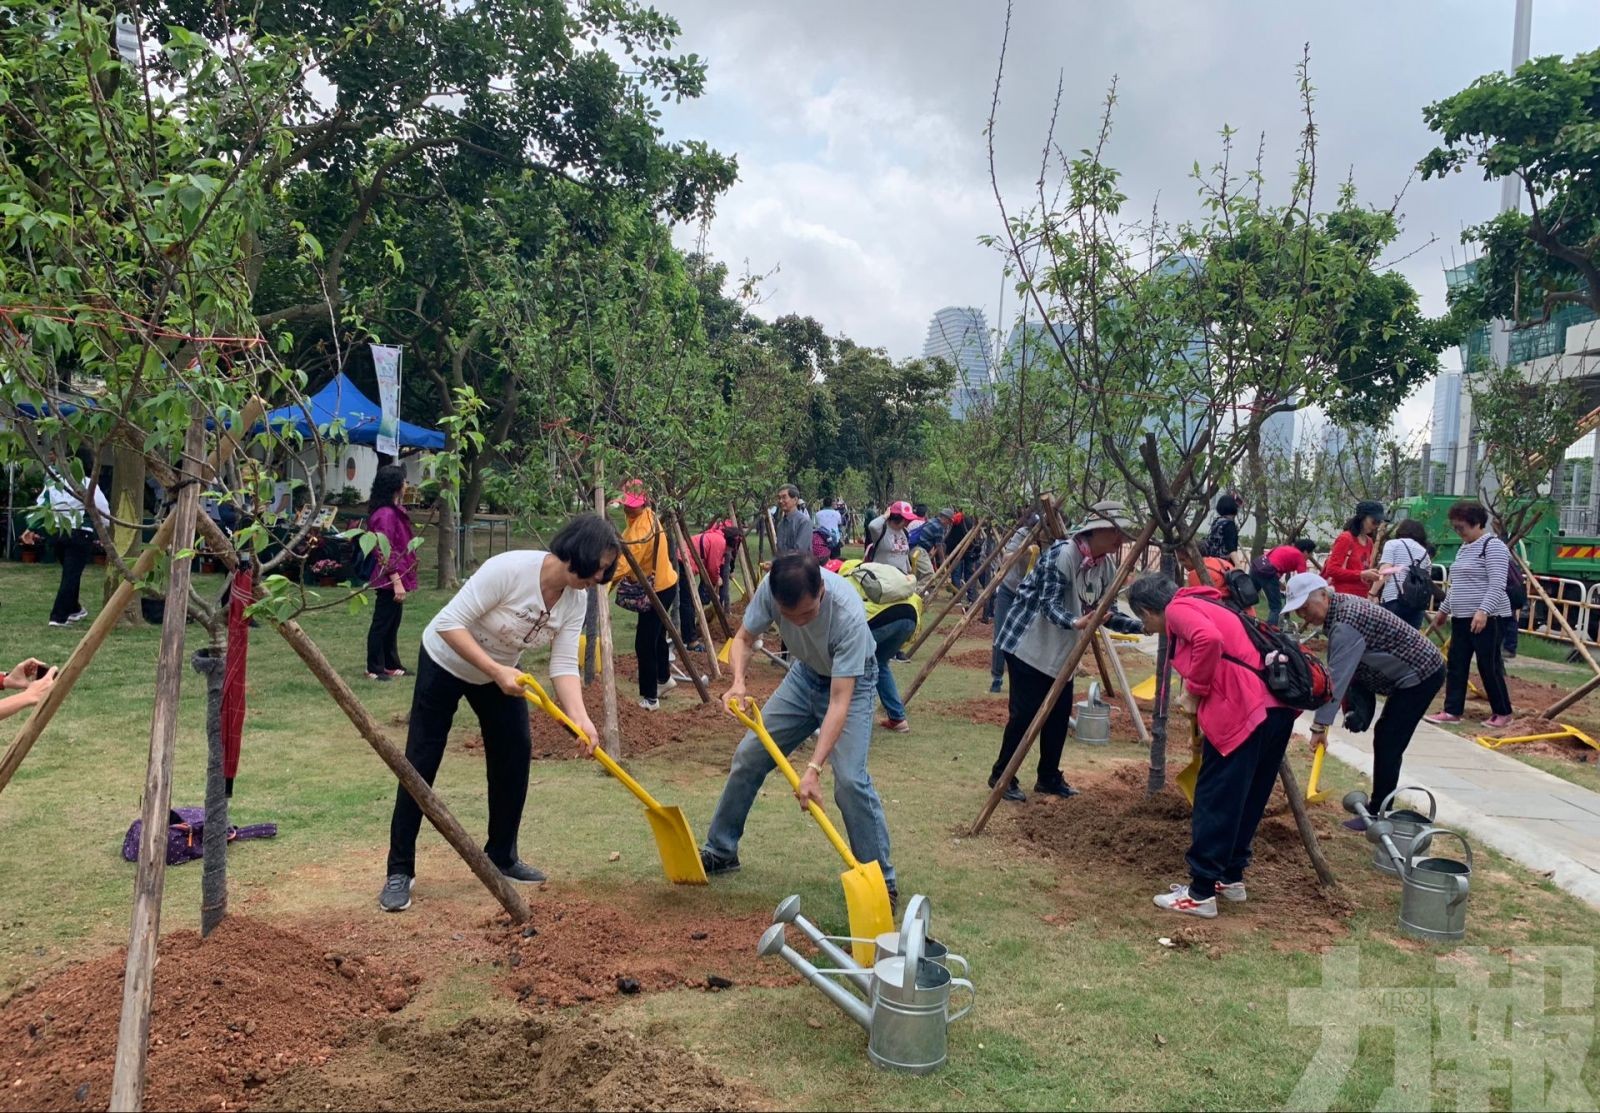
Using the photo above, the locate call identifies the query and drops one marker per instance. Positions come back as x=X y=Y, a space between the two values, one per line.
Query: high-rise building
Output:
x=1028 y=346
x=1277 y=434
x=960 y=337
x=1444 y=432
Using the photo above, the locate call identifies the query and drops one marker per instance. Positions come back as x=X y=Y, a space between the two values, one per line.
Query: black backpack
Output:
x=1416 y=590
x=1294 y=677
x=1216 y=545
x=1516 y=585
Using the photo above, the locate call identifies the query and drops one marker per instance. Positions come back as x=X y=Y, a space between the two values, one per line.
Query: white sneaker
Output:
x=663 y=689
x=650 y=704
x=1179 y=900
x=78 y=616
x=1231 y=890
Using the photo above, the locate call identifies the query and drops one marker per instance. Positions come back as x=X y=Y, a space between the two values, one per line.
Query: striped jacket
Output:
x=1478 y=579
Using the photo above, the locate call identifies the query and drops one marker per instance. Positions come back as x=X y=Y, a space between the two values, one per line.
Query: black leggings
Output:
x=507 y=746
x=650 y=646
x=1029 y=686
x=383 y=636
x=1230 y=794
x=72 y=550
x=1402 y=711
x=1486 y=646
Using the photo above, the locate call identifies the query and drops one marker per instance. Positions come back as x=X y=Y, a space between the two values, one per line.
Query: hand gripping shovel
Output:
x=680 y=854
x=866 y=894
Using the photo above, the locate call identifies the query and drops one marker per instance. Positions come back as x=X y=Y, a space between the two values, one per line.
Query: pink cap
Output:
x=901 y=510
x=634 y=494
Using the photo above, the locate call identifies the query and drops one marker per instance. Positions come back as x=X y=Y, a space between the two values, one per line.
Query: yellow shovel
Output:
x=1190 y=774
x=680 y=854
x=1313 y=794
x=1145 y=689
x=866 y=894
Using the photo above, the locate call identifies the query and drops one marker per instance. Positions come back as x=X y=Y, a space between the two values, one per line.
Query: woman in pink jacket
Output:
x=1245 y=730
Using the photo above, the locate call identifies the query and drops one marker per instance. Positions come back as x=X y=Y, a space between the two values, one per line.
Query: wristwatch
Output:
x=814 y=768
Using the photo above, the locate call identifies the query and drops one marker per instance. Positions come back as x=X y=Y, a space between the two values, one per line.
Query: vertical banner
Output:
x=386 y=361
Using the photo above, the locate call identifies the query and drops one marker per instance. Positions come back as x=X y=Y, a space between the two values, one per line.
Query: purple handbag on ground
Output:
x=185 y=828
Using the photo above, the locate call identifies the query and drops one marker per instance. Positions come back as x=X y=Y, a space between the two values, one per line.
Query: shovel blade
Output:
x=1145 y=689
x=1186 y=778
x=680 y=854
x=866 y=898
x=1315 y=795
x=725 y=654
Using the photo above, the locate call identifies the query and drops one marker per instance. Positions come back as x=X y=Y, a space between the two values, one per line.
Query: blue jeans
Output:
x=1003 y=599
x=890 y=637
x=791 y=714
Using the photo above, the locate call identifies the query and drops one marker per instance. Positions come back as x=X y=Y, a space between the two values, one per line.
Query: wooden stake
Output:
x=1570 y=698
x=947 y=569
x=610 y=718
x=1297 y=805
x=666 y=619
x=751 y=579
x=693 y=587
x=1556 y=613
x=432 y=806
x=138 y=984
x=977 y=605
x=1064 y=677
x=966 y=620
x=697 y=559
x=87 y=646
x=1132 y=704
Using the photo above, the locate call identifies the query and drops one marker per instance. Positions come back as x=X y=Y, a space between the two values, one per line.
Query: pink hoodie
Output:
x=1232 y=698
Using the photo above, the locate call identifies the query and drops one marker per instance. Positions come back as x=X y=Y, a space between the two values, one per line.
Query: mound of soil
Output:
x=230 y=1014
x=979 y=658
x=1528 y=697
x=581 y=951
x=1114 y=834
x=553 y=1062
x=1569 y=749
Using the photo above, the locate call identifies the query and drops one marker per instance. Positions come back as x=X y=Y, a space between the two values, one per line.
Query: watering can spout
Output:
x=789 y=913
x=772 y=944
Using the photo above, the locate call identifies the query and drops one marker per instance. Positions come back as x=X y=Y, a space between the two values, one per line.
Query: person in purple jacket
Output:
x=393 y=576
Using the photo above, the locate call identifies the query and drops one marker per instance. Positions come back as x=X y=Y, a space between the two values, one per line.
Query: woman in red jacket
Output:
x=1349 y=567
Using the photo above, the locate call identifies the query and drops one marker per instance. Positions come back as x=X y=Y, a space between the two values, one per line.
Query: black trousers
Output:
x=1229 y=797
x=72 y=550
x=1408 y=615
x=507 y=749
x=1391 y=734
x=688 y=622
x=1486 y=647
x=650 y=646
x=383 y=636
x=1029 y=686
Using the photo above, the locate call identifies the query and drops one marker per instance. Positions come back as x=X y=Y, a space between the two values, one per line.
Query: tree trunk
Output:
x=610 y=731
x=211 y=664
x=471 y=496
x=448 y=576
x=127 y=504
x=1258 y=487
x=138 y=986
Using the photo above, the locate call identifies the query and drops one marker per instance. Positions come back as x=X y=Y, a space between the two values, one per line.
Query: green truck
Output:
x=1547 y=550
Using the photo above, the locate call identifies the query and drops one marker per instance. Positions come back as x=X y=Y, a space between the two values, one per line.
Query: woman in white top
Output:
x=1478 y=609
x=1405 y=555
x=515 y=601
x=70 y=532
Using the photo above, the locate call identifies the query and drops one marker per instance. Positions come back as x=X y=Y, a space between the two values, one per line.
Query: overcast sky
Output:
x=859 y=127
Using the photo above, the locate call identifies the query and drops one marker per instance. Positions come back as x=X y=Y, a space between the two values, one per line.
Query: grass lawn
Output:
x=1079 y=1005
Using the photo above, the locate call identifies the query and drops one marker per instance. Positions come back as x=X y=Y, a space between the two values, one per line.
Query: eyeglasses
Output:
x=538 y=626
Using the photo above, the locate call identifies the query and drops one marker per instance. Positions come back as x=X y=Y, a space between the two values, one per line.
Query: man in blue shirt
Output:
x=829 y=689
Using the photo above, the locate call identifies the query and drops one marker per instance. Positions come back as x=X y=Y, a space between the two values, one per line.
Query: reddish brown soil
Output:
x=230 y=1014
x=541 y=1063
x=580 y=950
x=977 y=658
x=1113 y=834
x=1528 y=697
x=1568 y=749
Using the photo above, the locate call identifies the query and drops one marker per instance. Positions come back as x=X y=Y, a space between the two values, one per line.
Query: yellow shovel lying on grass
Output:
x=680 y=854
x=866 y=894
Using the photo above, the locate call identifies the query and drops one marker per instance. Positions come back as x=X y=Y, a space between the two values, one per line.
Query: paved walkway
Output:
x=1548 y=824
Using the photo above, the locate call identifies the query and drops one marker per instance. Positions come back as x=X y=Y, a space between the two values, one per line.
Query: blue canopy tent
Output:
x=342 y=401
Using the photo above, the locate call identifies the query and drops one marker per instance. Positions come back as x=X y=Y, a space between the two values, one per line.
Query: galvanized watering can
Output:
x=906 y=1011
x=1092 y=724
x=1406 y=825
x=1433 y=894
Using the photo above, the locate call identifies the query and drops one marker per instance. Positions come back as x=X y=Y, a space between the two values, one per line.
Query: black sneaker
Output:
x=1013 y=791
x=521 y=871
x=396 y=894
x=996 y=686
x=1059 y=788
x=716 y=863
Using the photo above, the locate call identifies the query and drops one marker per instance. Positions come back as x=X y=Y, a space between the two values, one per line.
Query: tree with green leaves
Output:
x=1540 y=124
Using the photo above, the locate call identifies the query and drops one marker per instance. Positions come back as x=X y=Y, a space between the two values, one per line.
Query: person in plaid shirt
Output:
x=1049 y=612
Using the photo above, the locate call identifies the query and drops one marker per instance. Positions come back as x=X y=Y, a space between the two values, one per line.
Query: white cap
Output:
x=1301 y=585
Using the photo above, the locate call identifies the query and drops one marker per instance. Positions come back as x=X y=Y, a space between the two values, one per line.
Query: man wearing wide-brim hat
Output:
x=1050 y=610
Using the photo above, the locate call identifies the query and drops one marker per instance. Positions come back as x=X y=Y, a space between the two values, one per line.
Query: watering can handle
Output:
x=750 y=716
x=972 y=996
x=536 y=695
x=1433 y=805
x=1425 y=837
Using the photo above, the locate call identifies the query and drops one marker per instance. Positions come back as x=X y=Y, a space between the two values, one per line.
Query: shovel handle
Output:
x=536 y=695
x=750 y=716
x=1316 y=769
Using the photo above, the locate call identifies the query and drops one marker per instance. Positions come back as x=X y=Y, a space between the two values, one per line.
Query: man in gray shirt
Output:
x=829 y=688
x=794 y=524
